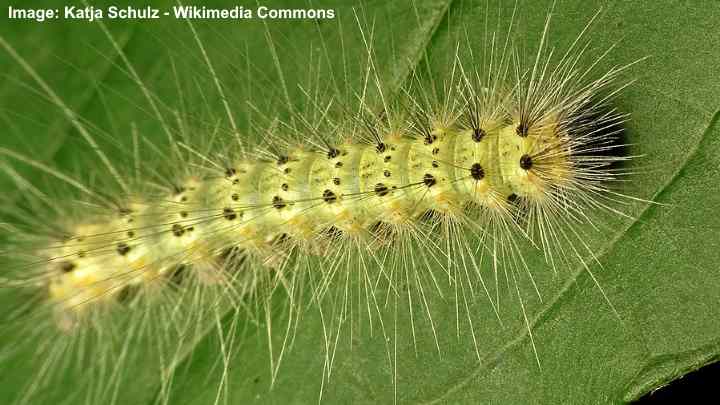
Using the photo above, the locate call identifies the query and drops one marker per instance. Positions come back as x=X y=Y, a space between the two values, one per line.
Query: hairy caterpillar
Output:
x=330 y=281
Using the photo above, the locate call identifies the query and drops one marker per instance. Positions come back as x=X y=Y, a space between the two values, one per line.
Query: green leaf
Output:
x=659 y=269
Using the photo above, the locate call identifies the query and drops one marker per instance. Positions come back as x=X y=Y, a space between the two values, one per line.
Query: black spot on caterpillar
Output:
x=476 y=171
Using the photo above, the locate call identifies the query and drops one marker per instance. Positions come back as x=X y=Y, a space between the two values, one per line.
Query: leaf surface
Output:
x=659 y=269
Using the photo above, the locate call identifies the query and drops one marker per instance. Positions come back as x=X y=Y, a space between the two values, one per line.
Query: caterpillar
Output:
x=442 y=205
